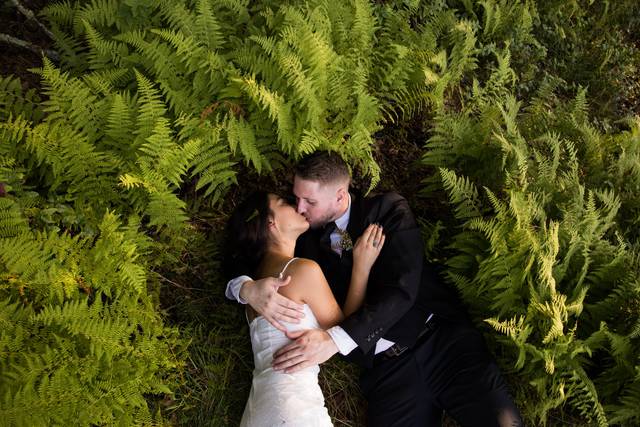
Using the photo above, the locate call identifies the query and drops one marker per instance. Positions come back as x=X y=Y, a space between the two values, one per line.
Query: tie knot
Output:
x=326 y=232
x=328 y=229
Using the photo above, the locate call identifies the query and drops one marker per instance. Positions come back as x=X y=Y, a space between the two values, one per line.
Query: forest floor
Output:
x=17 y=60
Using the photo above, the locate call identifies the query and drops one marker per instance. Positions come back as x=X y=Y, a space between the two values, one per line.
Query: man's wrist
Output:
x=334 y=346
x=343 y=342
x=233 y=288
x=245 y=291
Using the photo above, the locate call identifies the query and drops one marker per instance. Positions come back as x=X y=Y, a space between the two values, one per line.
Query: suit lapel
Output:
x=356 y=217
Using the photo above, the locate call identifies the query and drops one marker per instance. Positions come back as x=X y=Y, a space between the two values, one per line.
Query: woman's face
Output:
x=285 y=216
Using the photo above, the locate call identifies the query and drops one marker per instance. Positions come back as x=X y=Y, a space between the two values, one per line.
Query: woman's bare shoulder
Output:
x=305 y=275
x=303 y=267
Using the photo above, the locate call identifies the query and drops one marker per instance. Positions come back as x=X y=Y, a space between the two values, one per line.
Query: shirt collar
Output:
x=343 y=221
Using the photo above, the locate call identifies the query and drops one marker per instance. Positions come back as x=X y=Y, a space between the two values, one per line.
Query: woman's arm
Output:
x=309 y=285
x=365 y=253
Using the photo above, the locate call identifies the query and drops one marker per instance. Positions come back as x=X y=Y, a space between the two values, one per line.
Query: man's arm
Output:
x=342 y=340
x=262 y=295
x=396 y=277
x=397 y=280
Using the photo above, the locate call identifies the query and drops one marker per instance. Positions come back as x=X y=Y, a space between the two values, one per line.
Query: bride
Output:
x=261 y=238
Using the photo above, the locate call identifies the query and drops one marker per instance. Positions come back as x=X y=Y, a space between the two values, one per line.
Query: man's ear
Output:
x=341 y=193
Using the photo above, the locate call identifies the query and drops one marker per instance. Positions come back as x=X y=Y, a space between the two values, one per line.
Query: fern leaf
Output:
x=463 y=194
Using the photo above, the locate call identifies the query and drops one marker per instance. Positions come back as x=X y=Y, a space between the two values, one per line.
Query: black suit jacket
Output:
x=402 y=290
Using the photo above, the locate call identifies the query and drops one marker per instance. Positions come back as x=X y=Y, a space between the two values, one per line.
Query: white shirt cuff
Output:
x=233 y=288
x=343 y=341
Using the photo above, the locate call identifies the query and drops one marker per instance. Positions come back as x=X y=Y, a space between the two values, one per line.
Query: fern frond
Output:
x=586 y=397
x=151 y=106
x=463 y=194
x=207 y=28
x=241 y=134
x=61 y=12
x=71 y=101
x=12 y=221
x=103 y=52
x=99 y=13
x=105 y=81
x=16 y=102
x=279 y=111
x=120 y=126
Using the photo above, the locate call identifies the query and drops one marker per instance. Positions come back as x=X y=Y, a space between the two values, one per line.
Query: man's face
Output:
x=318 y=203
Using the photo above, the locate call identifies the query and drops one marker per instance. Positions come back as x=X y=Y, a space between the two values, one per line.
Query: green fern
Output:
x=14 y=101
x=463 y=194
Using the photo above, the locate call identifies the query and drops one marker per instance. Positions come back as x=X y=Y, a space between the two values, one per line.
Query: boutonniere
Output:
x=346 y=244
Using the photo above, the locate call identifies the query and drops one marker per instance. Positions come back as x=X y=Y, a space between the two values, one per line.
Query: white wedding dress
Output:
x=276 y=398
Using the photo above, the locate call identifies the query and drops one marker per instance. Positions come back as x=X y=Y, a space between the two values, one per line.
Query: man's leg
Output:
x=464 y=379
x=396 y=394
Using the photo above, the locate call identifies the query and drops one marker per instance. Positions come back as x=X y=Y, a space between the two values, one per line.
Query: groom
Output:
x=419 y=353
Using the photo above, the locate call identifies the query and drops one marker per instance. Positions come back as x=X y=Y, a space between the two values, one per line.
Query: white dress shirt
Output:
x=342 y=340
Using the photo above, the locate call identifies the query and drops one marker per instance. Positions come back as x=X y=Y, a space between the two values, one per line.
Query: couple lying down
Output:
x=293 y=399
x=418 y=351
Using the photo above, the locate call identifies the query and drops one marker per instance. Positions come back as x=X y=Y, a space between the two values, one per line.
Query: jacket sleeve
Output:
x=395 y=277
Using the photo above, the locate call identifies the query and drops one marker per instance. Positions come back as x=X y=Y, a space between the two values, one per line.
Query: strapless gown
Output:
x=276 y=398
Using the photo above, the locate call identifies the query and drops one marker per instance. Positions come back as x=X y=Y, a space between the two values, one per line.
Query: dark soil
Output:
x=15 y=60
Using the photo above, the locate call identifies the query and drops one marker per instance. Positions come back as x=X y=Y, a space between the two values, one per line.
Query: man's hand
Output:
x=262 y=295
x=310 y=347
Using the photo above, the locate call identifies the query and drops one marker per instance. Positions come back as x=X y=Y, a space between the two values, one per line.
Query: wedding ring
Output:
x=375 y=243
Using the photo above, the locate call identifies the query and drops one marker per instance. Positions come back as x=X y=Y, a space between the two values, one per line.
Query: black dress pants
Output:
x=450 y=370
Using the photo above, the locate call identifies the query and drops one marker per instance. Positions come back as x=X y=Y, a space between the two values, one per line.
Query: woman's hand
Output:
x=365 y=253
x=367 y=248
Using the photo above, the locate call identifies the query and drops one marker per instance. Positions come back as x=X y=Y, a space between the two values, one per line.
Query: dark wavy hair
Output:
x=246 y=235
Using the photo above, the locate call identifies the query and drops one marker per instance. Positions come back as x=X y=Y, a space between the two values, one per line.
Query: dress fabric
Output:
x=276 y=398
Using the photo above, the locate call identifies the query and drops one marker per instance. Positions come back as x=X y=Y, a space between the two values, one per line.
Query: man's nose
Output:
x=300 y=208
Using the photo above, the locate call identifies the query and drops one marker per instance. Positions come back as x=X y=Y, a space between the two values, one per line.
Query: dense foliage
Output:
x=116 y=176
x=546 y=256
